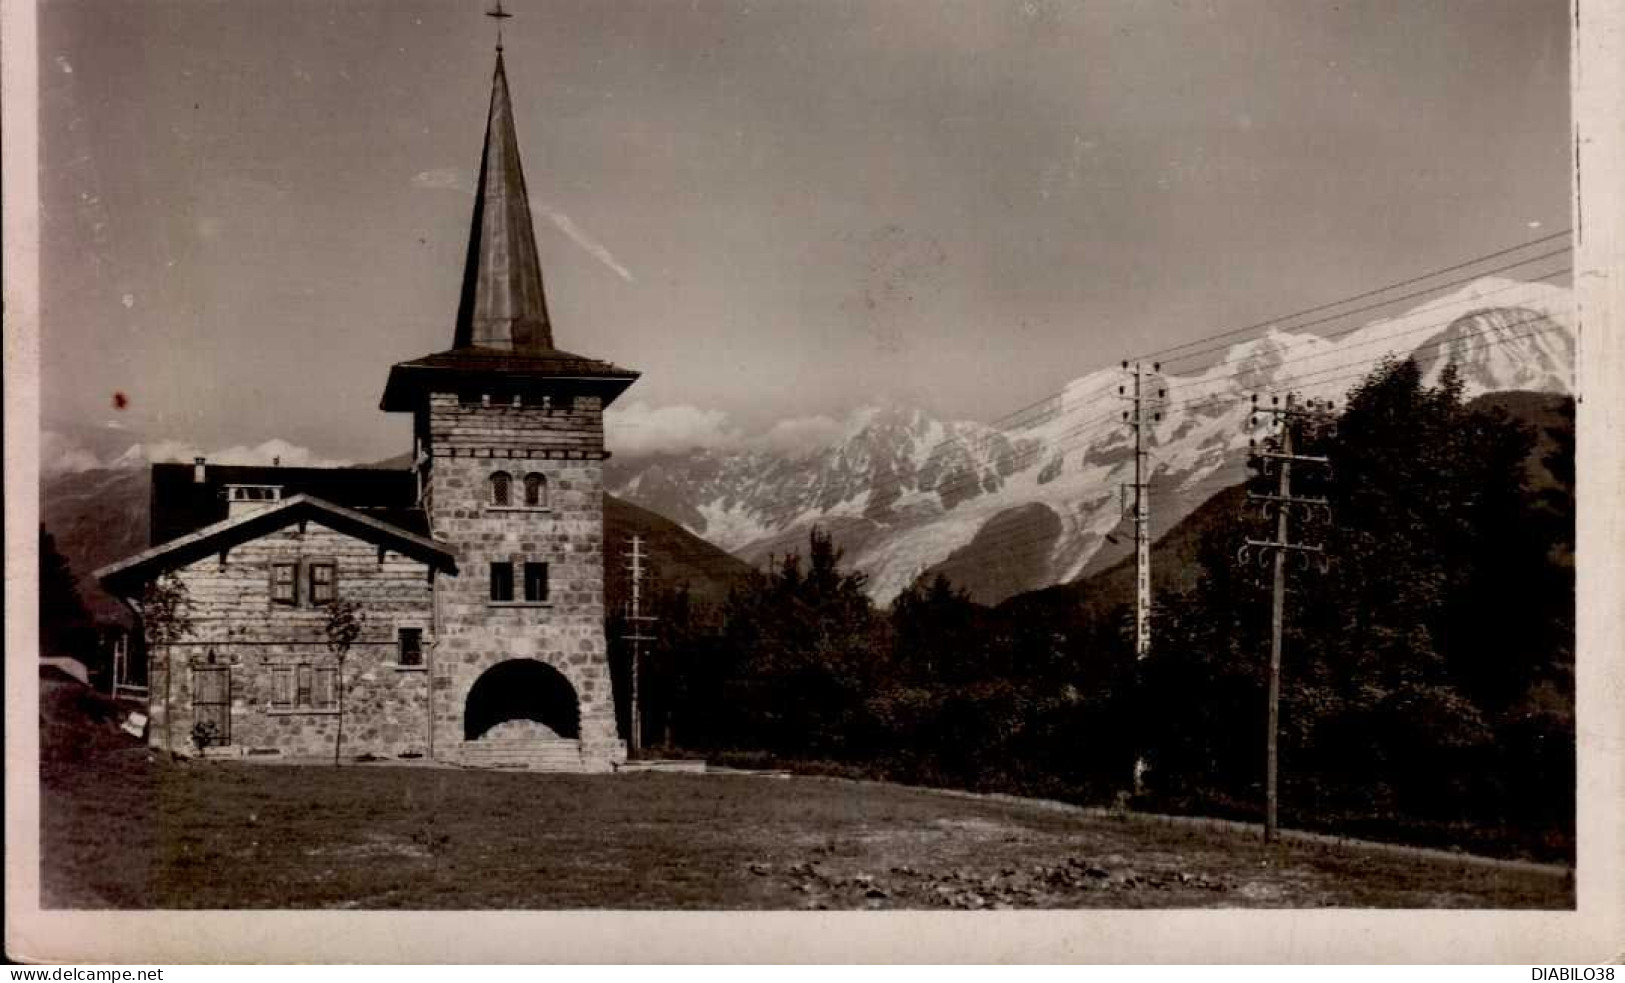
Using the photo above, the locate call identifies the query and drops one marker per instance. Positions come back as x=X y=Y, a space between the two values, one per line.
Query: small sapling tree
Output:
x=344 y=622
x=166 y=617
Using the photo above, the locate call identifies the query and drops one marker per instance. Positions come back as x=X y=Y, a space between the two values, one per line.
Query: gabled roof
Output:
x=181 y=504
x=144 y=566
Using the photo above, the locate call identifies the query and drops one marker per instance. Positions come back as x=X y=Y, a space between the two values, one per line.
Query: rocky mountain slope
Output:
x=1037 y=500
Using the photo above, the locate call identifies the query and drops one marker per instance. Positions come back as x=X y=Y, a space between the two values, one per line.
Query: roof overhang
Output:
x=472 y=369
x=122 y=577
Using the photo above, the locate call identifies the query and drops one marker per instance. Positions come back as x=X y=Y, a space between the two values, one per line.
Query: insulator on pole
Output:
x=1162 y=393
x=1255 y=399
x=1275 y=400
x=1121 y=390
x=1125 y=365
x=1156 y=366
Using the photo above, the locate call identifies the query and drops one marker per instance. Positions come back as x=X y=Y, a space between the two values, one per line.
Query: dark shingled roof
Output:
x=503 y=338
x=126 y=576
x=500 y=373
x=181 y=505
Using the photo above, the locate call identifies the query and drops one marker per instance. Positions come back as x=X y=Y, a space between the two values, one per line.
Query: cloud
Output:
x=265 y=453
x=443 y=179
x=61 y=454
x=593 y=247
x=800 y=435
x=453 y=179
x=643 y=429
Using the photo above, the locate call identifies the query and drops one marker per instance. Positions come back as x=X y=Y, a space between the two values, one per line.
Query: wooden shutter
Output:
x=322 y=587
x=285 y=583
x=282 y=686
x=306 y=680
x=326 y=693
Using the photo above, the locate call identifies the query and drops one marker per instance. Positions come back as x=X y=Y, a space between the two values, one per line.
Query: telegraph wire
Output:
x=1361 y=296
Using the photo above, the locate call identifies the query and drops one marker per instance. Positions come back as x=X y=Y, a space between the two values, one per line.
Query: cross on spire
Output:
x=499 y=15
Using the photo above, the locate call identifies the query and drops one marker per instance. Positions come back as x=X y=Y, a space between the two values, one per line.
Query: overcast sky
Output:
x=776 y=211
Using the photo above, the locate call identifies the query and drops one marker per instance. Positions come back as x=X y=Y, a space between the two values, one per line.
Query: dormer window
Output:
x=249 y=498
x=535 y=491
x=501 y=489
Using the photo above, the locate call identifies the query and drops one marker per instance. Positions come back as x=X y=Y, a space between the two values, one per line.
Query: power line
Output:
x=1361 y=296
x=1394 y=300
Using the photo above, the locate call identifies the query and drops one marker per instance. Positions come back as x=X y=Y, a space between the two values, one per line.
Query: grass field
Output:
x=125 y=829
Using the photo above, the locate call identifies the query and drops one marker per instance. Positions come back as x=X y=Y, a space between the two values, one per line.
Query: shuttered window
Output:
x=326 y=692
x=282 y=687
x=285 y=583
x=306 y=680
x=322 y=577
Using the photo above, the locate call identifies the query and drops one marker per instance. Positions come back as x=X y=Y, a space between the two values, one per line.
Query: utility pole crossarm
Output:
x=1286 y=499
x=1270 y=544
x=1286 y=418
x=1302 y=458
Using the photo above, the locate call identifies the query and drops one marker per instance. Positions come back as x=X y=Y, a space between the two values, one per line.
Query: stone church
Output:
x=478 y=573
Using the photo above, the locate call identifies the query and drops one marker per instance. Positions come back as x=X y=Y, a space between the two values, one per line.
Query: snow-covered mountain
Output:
x=1036 y=501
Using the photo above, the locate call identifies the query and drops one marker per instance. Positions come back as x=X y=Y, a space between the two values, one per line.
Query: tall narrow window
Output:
x=501 y=488
x=535 y=491
x=326 y=692
x=502 y=581
x=536 y=582
x=321 y=583
x=285 y=583
x=411 y=646
x=282 y=687
x=306 y=680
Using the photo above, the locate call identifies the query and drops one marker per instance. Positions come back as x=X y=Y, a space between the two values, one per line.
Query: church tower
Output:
x=508 y=444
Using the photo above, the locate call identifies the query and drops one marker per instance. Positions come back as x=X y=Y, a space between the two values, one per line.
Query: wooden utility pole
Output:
x=1281 y=451
x=1139 y=418
x=636 y=618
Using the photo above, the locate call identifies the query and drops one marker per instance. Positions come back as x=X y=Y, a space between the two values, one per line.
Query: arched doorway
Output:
x=522 y=689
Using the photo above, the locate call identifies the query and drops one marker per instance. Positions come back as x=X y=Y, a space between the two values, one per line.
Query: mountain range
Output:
x=1038 y=499
x=1000 y=508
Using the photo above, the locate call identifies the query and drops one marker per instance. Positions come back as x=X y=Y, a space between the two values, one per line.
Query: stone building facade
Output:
x=478 y=574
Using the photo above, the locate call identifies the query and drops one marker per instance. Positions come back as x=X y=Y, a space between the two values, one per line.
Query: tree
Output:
x=66 y=627
x=343 y=627
x=166 y=618
x=1406 y=659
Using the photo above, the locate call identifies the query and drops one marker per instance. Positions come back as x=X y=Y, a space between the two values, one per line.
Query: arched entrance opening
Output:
x=520 y=690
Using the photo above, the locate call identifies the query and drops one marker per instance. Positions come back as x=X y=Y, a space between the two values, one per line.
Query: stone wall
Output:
x=236 y=625
x=467 y=442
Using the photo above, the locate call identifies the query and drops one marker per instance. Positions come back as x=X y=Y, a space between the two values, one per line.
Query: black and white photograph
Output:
x=1085 y=457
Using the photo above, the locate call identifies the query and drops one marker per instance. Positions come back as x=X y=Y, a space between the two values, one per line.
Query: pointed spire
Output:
x=502 y=305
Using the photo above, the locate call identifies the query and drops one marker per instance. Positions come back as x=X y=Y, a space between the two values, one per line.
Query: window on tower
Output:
x=501 y=489
x=502 y=581
x=535 y=491
x=536 y=583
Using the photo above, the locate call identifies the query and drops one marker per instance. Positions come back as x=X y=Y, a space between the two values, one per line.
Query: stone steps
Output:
x=532 y=755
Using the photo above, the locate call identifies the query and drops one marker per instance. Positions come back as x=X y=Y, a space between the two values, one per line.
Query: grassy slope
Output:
x=133 y=832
